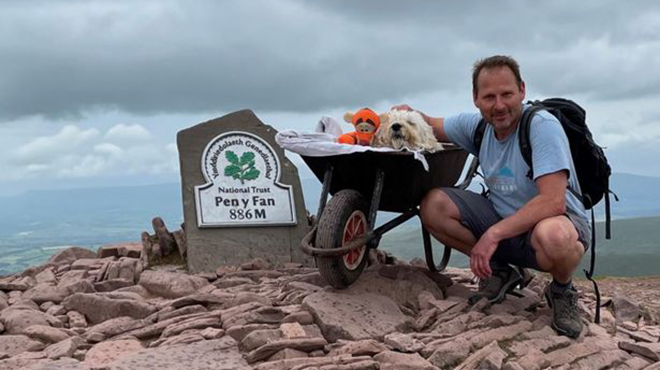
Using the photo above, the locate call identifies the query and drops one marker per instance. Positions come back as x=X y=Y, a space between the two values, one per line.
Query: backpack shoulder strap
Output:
x=479 y=134
x=523 y=135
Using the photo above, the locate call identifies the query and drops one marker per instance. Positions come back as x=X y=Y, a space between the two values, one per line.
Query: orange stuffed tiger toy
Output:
x=366 y=123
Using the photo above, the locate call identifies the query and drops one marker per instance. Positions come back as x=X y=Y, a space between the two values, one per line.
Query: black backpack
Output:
x=591 y=167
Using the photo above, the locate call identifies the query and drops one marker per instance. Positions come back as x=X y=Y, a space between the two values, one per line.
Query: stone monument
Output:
x=242 y=197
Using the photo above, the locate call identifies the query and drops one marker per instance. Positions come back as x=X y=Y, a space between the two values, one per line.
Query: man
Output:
x=527 y=222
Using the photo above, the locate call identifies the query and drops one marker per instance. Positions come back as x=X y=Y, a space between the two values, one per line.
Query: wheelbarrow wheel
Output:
x=343 y=220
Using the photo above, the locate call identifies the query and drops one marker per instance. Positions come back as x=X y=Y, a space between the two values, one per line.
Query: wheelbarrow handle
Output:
x=471 y=173
x=428 y=252
x=332 y=252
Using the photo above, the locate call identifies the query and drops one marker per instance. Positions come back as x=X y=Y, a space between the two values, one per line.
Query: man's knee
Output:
x=437 y=204
x=557 y=238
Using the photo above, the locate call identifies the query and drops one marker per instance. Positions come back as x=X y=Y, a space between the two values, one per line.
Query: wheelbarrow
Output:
x=364 y=183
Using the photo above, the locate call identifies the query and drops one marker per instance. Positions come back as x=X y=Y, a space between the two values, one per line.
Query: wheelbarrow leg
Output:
x=373 y=208
x=327 y=179
x=428 y=248
x=428 y=251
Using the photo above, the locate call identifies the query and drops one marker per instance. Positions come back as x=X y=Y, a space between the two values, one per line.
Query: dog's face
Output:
x=405 y=129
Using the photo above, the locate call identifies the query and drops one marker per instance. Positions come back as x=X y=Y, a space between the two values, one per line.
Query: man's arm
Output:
x=437 y=123
x=550 y=202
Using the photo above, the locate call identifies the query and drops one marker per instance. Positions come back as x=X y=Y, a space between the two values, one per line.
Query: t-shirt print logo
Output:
x=503 y=183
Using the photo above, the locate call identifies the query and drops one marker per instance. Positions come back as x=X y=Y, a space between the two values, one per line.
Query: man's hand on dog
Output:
x=405 y=107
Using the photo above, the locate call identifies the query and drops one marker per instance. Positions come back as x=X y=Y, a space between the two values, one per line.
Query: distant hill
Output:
x=637 y=196
x=31 y=224
x=134 y=206
x=80 y=209
x=94 y=216
x=634 y=249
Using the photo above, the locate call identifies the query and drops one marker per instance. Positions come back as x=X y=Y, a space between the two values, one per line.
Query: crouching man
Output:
x=528 y=222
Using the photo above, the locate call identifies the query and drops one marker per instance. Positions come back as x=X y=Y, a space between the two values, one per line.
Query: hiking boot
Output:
x=494 y=289
x=526 y=277
x=565 y=313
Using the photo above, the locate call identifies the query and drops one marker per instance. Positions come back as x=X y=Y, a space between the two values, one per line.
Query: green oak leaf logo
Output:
x=241 y=169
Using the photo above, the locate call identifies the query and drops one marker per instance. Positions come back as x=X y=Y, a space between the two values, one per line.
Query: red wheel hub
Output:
x=356 y=226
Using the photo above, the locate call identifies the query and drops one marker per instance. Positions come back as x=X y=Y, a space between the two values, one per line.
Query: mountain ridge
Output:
x=90 y=217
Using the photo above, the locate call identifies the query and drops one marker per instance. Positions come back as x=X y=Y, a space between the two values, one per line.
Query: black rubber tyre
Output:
x=344 y=218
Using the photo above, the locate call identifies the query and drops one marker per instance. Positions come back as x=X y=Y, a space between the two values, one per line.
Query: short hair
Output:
x=494 y=62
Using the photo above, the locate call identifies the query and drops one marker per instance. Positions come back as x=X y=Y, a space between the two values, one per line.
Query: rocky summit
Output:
x=106 y=310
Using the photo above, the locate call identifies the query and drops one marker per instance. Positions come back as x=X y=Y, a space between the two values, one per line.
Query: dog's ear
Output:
x=348 y=117
x=384 y=118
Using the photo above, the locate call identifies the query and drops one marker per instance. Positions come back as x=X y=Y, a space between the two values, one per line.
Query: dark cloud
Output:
x=68 y=57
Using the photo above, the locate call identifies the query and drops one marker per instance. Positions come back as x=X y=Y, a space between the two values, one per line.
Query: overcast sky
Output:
x=92 y=93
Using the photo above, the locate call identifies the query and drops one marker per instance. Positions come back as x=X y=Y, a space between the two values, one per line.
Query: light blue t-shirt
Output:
x=503 y=166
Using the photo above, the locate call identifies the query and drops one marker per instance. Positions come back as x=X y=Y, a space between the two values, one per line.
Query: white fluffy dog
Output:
x=401 y=129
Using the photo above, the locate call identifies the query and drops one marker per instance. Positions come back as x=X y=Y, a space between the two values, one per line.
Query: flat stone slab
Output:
x=391 y=360
x=107 y=352
x=132 y=250
x=219 y=354
x=171 y=284
x=13 y=286
x=648 y=350
x=98 y=308
x=402 y=284
x=61 y=364
x=15 y=344
x=71 y=254
x=346 y=316
x=16 y=319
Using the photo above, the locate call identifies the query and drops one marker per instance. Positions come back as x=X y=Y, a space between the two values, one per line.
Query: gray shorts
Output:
x=478 y=214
